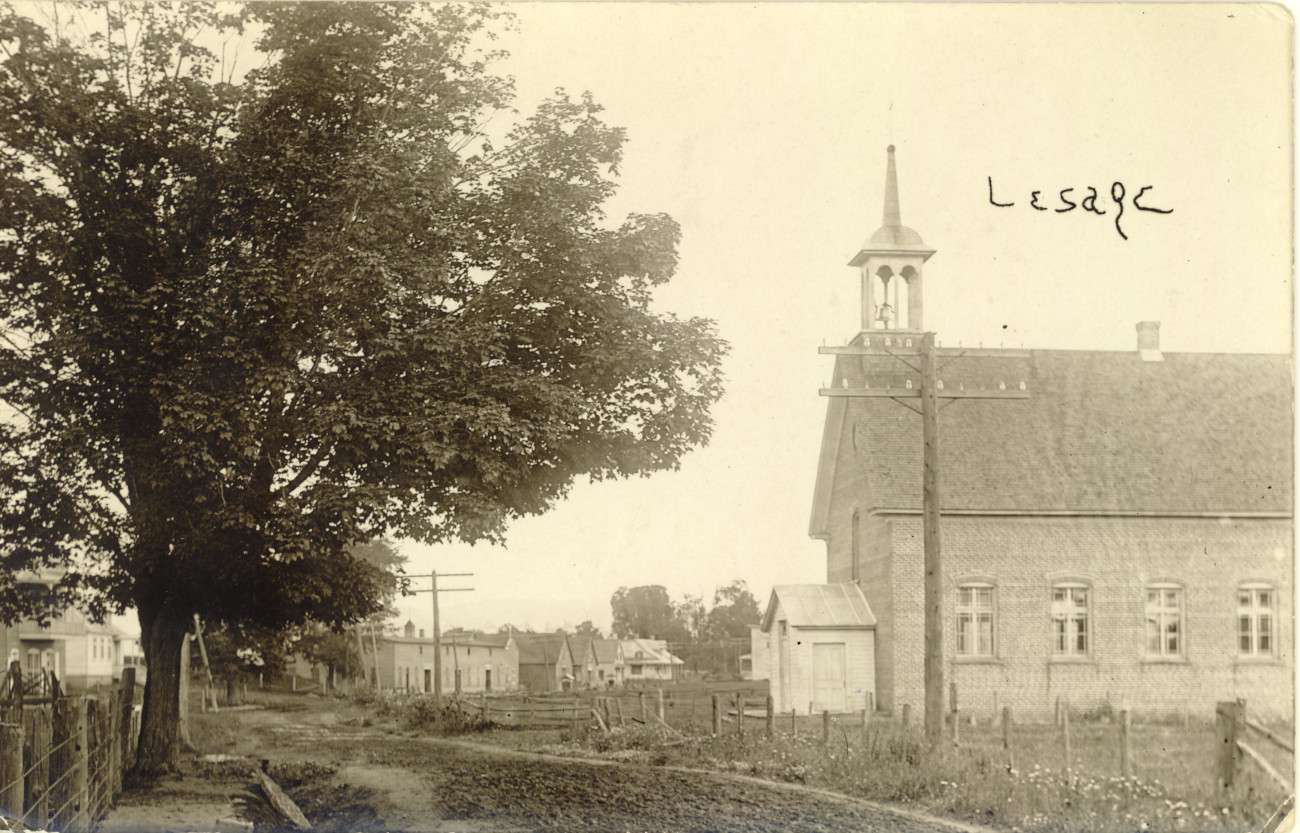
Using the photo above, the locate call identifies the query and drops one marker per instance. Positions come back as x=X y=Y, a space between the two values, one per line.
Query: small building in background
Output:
x=584 y=661
x=611 y=666
x=80 y=653
x=650 y=660
x=823 y=639
x=545 y=662
x=471 y=662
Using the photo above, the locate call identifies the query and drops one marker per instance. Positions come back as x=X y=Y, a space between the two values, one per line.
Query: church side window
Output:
x=1255 y=620
x=1070 y=620
x=975 y=620
x=1164 y=610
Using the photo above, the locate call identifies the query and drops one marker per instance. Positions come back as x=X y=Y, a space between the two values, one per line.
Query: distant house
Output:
x=610 y=664
x=584 y=661
x=545 y=662
x=80 y=653
x=471 y=662
x=822 y=639
x=650 y=659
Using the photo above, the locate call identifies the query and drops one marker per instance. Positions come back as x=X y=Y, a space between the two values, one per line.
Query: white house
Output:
x=650 y=659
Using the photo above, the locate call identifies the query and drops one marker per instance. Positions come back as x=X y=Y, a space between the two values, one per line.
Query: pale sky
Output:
x=762 y=129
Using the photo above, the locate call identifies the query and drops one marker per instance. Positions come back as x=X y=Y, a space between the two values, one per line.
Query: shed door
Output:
x=828 y=677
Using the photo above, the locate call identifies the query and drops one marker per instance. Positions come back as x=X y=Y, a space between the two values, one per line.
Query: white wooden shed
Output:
x=822 y=648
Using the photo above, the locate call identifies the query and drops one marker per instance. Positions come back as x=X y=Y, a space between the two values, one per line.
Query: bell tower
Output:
x=890 y=265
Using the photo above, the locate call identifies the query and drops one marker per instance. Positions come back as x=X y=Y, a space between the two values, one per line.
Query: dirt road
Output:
x=419 y=784
x=389 y=780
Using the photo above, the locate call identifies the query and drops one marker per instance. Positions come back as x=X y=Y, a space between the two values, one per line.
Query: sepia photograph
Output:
x=420 y=417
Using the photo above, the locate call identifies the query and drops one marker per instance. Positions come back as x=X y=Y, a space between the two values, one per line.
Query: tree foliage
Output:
x=646 y=612
x=250 y=322
x=734 y=610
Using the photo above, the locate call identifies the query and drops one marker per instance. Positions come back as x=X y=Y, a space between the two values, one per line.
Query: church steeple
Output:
x=891 y=261
x=893 y=216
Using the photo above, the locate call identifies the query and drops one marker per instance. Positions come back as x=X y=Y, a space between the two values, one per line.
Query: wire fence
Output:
x=62 y=760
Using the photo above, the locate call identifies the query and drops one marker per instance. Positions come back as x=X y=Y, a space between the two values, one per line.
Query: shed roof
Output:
x=820 y=606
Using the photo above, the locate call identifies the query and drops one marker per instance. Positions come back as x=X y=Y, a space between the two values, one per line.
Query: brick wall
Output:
x=1116 y=558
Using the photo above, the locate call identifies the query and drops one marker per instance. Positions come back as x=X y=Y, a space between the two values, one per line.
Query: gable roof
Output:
x=541 y=648
x=607 y=650
x=839 y=606
x=1196 y=433
x=653 y=652
x=581 y=648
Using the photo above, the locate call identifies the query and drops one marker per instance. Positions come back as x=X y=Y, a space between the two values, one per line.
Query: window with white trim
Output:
x=975 y=620
x=1070 y=620
x=1164 y=609
x=1255 y=620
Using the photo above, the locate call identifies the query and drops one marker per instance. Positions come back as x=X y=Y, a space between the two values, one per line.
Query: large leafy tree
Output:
x=734 y=610
x=249 y=321
x=647 y=612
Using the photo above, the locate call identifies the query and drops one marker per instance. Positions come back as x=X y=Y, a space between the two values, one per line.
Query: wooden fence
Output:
x=1234 y=727
x=654 y=707
x=62 y=758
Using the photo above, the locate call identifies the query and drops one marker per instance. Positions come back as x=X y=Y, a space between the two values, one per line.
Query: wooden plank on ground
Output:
x=282 y=803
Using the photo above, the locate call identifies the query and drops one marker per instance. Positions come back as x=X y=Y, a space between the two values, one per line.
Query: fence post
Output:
x=36 y=729
x=79 y=810
x=645 y=718
x=126 y=704
x=907 y=714
x=1069 y=758
x=11 y=769
x=1006 y=737
x=94 y=759
x=952 y=706
x=771 y=715
x=618 y=704
x=740 y=715
x=1226 y=714
x=794 y=726
x=113 y=776
x=1125 y=762
x=659 y=704
x=717 y=715
x=826 y=725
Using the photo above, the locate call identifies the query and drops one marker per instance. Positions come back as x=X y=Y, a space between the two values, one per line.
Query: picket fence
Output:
x=62 y=758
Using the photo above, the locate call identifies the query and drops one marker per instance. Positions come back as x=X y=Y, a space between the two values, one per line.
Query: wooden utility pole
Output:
x=900 y=345
x=933 y=550
x=433 y=592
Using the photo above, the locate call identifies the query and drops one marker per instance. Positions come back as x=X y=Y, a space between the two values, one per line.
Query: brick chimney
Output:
x=1148 y=333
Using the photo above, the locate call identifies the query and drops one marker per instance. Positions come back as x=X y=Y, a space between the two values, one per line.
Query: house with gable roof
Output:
x=1122 y=536
x=611 y=666
x=650 y=660
x=545 y=662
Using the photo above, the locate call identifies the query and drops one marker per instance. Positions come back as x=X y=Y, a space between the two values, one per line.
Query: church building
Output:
x=1117 y=527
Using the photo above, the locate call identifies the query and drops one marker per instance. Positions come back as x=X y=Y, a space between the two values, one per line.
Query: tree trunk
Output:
x=162 y=630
